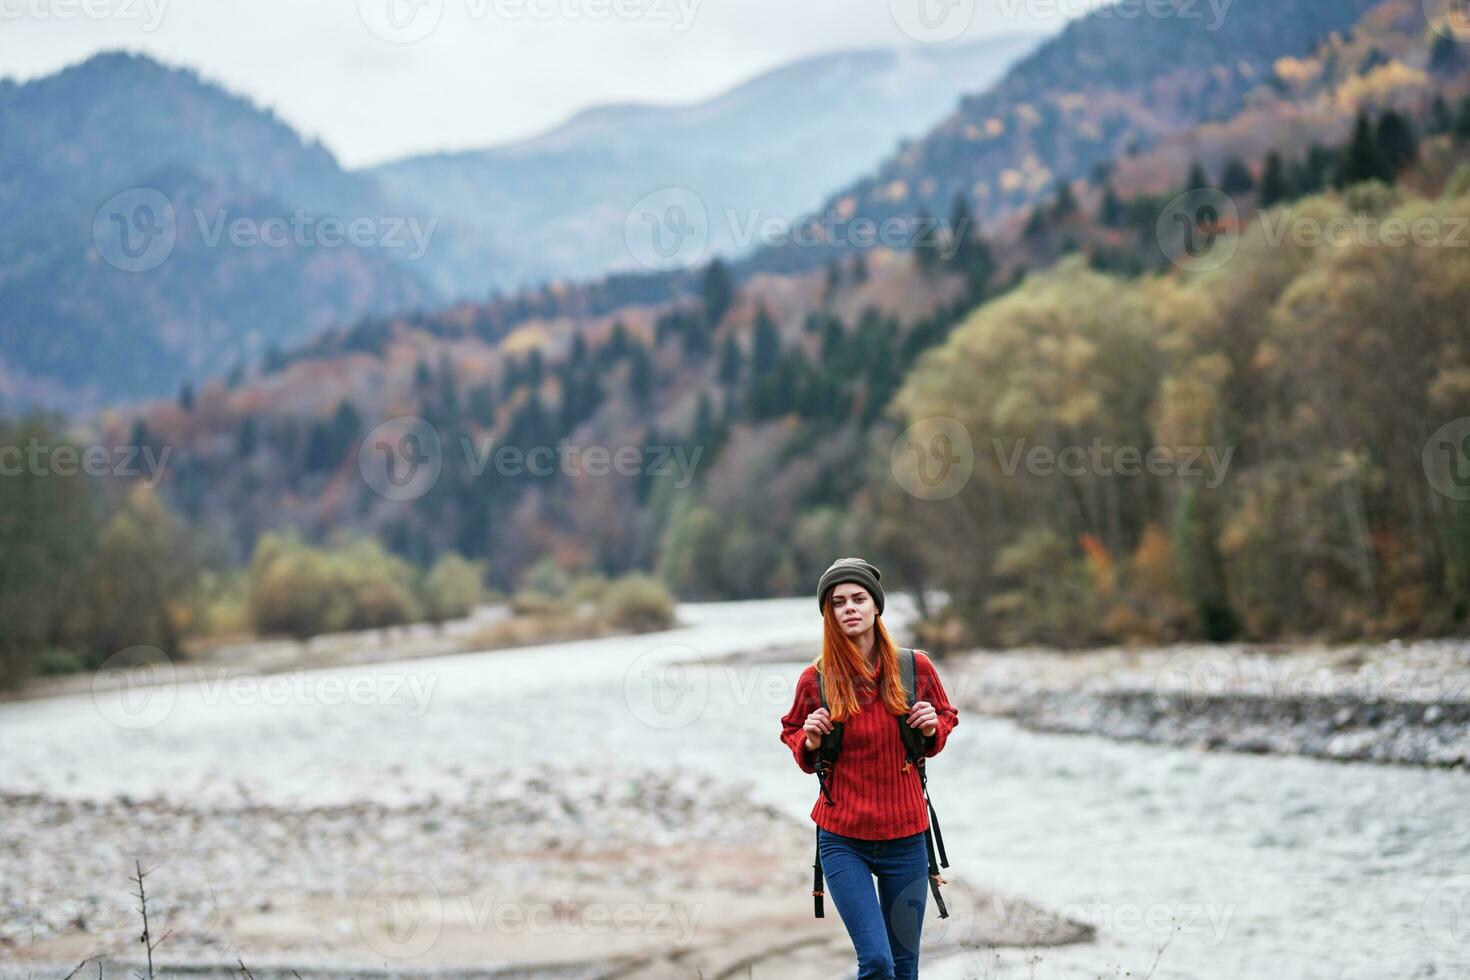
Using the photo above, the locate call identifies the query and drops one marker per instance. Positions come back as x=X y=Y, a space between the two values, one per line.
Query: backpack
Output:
x=913 y=746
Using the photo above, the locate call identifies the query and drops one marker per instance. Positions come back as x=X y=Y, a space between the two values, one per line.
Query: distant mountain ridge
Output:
x=77 y=330
x=170 y=153
x=554 y=206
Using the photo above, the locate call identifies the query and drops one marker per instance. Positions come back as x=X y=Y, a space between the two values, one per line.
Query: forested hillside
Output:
x=1236 y=435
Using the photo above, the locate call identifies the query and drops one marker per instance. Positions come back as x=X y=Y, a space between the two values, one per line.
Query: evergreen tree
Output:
x=1111 y=213
x=832 y=344
x=618 y=341
x=1064 y=204
x=1274 y=188
x=345 y=429
x=1359 y=160
x=832 y=282
x=1462 y=120
x=704 y=422
x=926 y=242
x=1197 y=179
x=640 y=375
x=1440 y=120
x=1237 y=179
x=1445 y=55
x=1309 y=175
x=246 y=438
x=1398 y=146
x=1034 y=225
x=535 y=369
x=319 y=448
x=718 y=291
x=767 y=347
x=186 y=397
x=482 y=404
x=860 y=261
x=963 y=233
x=730 y=361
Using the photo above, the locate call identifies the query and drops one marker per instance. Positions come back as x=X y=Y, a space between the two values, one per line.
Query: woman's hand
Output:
x=924 y=718
x=818 y=723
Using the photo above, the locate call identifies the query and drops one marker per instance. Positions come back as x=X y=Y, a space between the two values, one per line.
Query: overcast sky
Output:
x=376 y=79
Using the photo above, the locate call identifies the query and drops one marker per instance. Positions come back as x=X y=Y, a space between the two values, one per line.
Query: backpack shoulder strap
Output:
x=906 y=671
x=830 y=748
x=913 y=739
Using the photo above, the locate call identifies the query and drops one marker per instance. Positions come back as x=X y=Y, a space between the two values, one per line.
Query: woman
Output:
x=875 y=821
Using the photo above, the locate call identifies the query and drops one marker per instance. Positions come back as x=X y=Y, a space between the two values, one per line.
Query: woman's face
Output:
x=853 y=607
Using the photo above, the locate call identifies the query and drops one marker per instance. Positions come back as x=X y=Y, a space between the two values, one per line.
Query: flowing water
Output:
x=1245 y=866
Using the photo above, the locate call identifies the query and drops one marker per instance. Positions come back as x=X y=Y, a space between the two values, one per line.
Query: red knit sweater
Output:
x=873 y=797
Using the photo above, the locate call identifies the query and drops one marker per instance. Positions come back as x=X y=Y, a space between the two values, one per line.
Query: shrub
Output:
x=640 y=603
x=452 y=588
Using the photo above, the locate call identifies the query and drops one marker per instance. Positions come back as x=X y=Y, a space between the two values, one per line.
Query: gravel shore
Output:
x=1404 y=703
x=542 y=874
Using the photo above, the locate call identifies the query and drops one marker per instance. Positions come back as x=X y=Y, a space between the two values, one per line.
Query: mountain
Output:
x=556 y=206
x=121 y=153
x=1110 y=85
x=133 y=202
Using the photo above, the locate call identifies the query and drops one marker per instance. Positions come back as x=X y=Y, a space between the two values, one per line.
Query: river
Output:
x=1257 y=867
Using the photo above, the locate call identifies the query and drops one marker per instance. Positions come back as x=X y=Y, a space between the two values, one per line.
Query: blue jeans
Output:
x=885 y=927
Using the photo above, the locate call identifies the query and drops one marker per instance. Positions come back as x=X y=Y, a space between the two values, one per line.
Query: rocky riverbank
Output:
x=1405 y=703
x=568 y=873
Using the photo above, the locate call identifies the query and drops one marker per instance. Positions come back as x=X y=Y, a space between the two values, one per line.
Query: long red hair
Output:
x=842 y=666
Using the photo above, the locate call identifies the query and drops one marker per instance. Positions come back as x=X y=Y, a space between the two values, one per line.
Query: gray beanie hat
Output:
x=864 y=573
